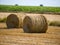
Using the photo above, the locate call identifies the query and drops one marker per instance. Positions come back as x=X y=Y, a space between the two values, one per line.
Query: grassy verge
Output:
x=54 y=23
x=3 y=20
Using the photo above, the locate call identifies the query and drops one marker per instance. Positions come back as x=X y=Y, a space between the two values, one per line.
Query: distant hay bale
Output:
x=15 y=20
x=35 y=24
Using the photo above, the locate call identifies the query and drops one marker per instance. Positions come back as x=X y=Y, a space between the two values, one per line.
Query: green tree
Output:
x=16 y=4
x=41 y=4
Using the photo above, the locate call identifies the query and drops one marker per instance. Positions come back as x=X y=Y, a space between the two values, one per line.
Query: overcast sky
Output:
x=31 y=2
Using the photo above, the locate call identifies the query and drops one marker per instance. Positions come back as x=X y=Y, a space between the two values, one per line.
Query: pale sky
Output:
x=31 y=2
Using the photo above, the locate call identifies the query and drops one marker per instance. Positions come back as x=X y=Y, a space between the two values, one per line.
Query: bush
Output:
x=54 y=23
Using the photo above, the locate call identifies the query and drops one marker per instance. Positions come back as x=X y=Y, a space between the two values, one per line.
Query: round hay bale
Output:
x=15 y=20
x=35 y=24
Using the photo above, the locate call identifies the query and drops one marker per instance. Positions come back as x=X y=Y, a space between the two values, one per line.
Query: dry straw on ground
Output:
x=15 y=20
x=35 y=24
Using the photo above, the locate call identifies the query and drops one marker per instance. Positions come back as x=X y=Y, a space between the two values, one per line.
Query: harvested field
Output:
x=50 y=17
x=37 y=40
x=18 y=37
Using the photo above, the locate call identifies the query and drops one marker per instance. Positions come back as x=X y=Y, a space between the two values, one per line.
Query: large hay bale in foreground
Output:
x=35 y=24
x=15 y=20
